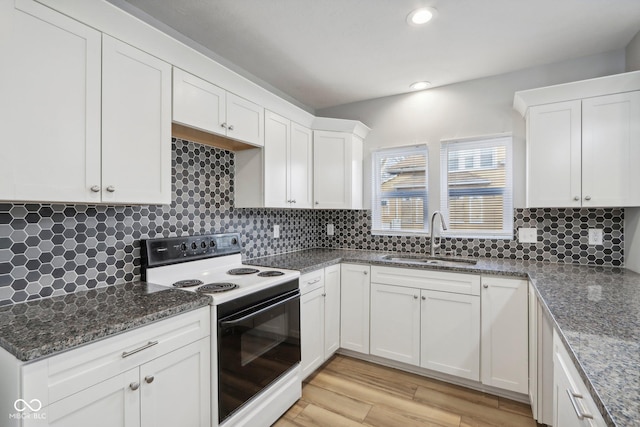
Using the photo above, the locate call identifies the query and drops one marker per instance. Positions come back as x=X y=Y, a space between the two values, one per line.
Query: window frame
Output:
x=506 y=140
x=377 y=196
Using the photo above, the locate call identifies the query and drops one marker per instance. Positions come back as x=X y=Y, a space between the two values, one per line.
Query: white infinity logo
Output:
x=27 y=405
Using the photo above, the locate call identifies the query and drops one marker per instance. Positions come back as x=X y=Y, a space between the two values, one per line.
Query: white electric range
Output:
x=255 y=323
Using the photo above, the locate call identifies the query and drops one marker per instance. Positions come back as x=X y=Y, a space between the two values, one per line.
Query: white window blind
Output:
x=476 y=187
x=399 y=194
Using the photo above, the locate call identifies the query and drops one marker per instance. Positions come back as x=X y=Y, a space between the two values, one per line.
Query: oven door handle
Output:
x=262 y=310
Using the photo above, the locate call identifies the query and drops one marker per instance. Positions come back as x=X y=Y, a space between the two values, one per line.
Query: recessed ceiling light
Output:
x=420 y=85
x=421 y=16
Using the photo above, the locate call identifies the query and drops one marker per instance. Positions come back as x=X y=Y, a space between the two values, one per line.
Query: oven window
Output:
x=255 y=349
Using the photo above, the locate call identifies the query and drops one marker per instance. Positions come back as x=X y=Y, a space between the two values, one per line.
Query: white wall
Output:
x=633 y=53
x=477 y=107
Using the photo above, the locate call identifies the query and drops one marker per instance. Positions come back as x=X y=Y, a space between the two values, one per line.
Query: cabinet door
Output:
x=198 y=103
x=450 y=334
x=136 y=126
x=331 y=310
x=553 y=155
x=311 y=331
x=50 y=105
x=354 y=307
x=176 y=388
x=277 y=131
x=245 y=120
x=504 y=353
x=611 y=150
x=395 y=323
x=331 y=170
x=301 y=167
x=111 y=403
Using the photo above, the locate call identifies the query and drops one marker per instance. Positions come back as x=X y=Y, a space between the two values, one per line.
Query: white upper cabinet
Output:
x=207 y=107
x=337 y=170
x=583 y=142
x=198 y=103
x=50 y=105
x=89 y=117
x=136 y=126
x=284 y=167
x=611 y=150
x=554 y=166
x=582 y=153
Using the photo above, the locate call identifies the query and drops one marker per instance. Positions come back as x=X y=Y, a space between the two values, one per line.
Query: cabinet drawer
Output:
x=459 y=283
x=311 y=281
x=56 y=377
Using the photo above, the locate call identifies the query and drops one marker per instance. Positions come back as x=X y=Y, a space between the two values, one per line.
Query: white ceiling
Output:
x=330 y=52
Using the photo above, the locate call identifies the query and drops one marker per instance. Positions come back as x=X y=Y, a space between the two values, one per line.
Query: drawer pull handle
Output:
x=572 y=397
x=149 y=379
x=313 y=282
x=139 y=349
x=134 y=386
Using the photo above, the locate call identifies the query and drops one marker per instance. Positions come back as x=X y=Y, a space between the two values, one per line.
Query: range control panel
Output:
x=173 y=250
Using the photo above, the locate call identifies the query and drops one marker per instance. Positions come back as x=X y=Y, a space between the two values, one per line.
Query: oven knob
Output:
x=203 y=245
x=194 y=246
x=183 y=246
x=212 y=243
x=234 y=241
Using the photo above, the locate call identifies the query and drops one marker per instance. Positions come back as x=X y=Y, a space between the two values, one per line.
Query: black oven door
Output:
x=256 y=345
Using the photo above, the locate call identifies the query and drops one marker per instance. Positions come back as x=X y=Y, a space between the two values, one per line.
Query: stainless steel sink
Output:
x=428 y=260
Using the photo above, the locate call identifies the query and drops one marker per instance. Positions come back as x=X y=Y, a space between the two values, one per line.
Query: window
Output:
x=476 y=188
x=399 y=195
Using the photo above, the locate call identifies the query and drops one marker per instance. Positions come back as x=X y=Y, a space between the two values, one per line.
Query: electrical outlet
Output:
x=330 y=230
x=527 y=235
x=276 y=231
x=595 y=236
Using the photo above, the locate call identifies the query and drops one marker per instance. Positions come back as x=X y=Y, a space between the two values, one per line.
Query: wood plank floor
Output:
x=350 y=392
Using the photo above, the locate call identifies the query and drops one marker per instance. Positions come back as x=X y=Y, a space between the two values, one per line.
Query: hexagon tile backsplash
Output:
x=56 y=249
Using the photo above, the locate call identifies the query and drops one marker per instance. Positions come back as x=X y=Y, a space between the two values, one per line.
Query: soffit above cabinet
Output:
x=617 y=83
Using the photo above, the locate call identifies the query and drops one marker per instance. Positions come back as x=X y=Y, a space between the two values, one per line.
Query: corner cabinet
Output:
x=155 y=376
x=505 y=328
x=337 y=170
x=88 y=116
x=204 y=106
x=583 y=148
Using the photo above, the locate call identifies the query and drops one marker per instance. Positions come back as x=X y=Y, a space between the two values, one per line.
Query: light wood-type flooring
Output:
x=349 y=392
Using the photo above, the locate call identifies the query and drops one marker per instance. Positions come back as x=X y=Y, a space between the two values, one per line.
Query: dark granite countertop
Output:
x=596 y=310
x=34 y=329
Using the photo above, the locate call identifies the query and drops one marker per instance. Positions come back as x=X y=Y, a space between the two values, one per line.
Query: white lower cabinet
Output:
x=155 y=376
x=505 y=333
x=395 y=323
x=572 y=404
x=354 y=307
x=319 y=317
x=450 y=334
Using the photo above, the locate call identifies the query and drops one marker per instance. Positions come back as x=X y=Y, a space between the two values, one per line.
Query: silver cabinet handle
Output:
x=134 y=386
x=314 y=281
x=149 y=379
x=587 y=197
x=111 y=189
x=317 y=202
x=424 y=298
x=576 y=198
x=324 y=295
x=415 y=297
x=485 y=286
x=572 y=397
x=224 y=125
x=365 y=272
x=293 y=201
x=288 y=201
x=231 y=127
x=139 y=349
x=95 y=188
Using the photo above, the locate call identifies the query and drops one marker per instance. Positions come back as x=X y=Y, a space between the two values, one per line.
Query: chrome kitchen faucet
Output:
x=432 y=249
